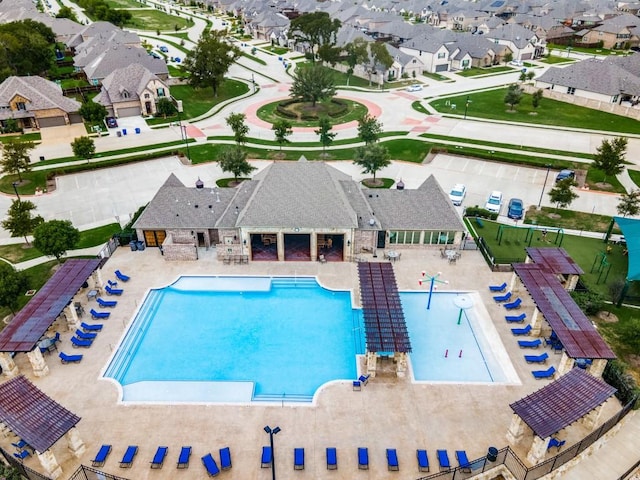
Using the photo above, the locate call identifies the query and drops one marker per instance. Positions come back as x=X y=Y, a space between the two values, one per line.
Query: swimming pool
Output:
x=249 y=339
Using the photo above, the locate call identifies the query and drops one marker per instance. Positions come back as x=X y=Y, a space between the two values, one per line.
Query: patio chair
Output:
x=106 y=303
x=298 y=458
x=210 y=465
x=515 y=318
x=22 y=454
x=423 y=460
x=357 y=385
x=113 y=291
x=495 y=288
x=443 y=460
x=549 y=373
x=64 y=358
x=129 y=456
x=94 y=327
x=392 y=460
x=364 y=379
x=332 y=458
x=112 y=284
x=542 y=358
x=554 y=442
x=225 y=458
x=267 y=458
x=463 y=461
x=529 y=343
x=95 y=314
x=521 y=331
x=86 y=336
x=101 y=456
x=183 y=458
x=502 y=298
x=121 y=276
x=513 y=305
x=21 y=445
x=363 y=458
x=158 y=458
x=78 y=343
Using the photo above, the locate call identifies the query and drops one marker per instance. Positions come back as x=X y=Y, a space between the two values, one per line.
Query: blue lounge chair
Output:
x=513 y=305
x=423 y=460
x=158 y=458
x=363 y=458
x=225 y=458
x=554 y=442
x=129 y=456
x=95 y=314
x=64 y=358
x=529 y=343
x=77 y=343
x=183 y=458
x=463 y=461
x=20 y=445
x=549 y=373
x=210 y=465
x=364 y=379
x=498 y=288
x=298 y=458
x=101 y=456
x=266 y=457
x=542 y=358
x=106 y=303
x=113 y=291
x=503 y=298
x=357 y=385
x=392 y=460
x=86 y=336
x=515 y=318
x=22 y=454
x=443 y=460
x=583 y=363
x=121 y=276
x=112 y=284
x=96 y=327
x=521 y=331
x=332 y=458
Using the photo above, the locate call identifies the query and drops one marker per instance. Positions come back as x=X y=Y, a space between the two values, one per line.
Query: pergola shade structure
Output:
x=561 y=403
x=30 y=323
x=576 y=332
x=556 y=260
x=384 y=324
x=32 y=415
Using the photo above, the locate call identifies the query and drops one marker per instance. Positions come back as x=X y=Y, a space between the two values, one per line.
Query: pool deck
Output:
x=387 y=413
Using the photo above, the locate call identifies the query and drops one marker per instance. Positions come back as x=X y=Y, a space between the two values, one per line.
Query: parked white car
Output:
x=416 y=87
x=457 y=194
x=494 y=202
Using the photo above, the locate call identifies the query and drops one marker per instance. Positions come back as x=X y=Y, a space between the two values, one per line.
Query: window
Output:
x=125 y=94
x=146 y=95
x=614 y=99
x=441 y=55
x=161 y=92
x=405 y=237
x=465 y=64
x=21 y=106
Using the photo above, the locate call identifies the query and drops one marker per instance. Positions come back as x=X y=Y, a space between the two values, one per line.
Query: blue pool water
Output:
x=243 y=339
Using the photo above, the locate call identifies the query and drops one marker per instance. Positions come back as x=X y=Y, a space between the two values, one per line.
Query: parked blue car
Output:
x=515 y=209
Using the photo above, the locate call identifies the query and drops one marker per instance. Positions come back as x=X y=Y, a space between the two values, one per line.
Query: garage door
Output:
x=526 y=56
x=128 y=112
x=442 y=68
x=51 y=122
x=75 y=118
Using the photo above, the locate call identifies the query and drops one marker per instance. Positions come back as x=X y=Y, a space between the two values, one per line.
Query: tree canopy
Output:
x=380 y=56
x=282 y=129
x=27 y=48
x=629 y=203
x=237 y=122
x=325 y=133
x=369 y=129
x=20 y=221
x=371 y=158
x=313 y=84
x=210 y=60
x=15 y=156
x=92 y=111
x=317 y=30
x=234 y=160
x=55 y=237
x=13 y=284
x=609 y=157
x=356 y=54
x=513 y=96
x=84 y=147
x=67 y=12
x=561 y=194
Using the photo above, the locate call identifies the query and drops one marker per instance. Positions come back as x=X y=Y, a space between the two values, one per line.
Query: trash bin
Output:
x=492 y=454
x=119 y=133
x=137 y=130
x=42 y=158
x=140 y=245
x=133 y=245
x=124 y=131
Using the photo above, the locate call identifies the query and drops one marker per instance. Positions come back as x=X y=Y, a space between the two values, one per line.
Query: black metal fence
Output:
x=88 y=473
x=24 y=471
x=510 y=460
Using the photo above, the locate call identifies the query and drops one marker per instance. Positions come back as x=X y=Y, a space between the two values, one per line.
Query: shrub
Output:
x=616 y=375
x=589 y=302
x=480 y=212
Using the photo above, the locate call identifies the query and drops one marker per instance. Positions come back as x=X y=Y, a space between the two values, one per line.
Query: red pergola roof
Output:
x=576 y=332
x=557 y=260
x=32 y=415
x=30 y=323
x=560 y=403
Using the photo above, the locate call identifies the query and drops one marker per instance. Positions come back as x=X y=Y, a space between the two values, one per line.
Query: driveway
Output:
x=64 y=134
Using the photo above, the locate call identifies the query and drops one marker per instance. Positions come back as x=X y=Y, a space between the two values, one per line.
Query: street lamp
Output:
x=253 y=81
x=272 y=432
x=546 y=177
x=466 y=106
x=432 y=279
x=15 y=188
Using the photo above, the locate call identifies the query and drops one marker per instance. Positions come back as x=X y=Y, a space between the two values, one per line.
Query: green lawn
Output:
x=354 y=111
x=553 y=59
x=635 y=176
x=353 y=81
x=153 y=20
x=569 y=219
x=490 y=104
x=124 y=4
x=478 y=72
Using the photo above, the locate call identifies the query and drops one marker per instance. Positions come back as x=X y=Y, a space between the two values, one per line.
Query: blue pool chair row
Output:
x=513 y=305
x=554 y=442
x=529 y=343
x=121 y=276
x=112 y=284
x=95 y=314
x=502 y=298
x=210 y=465
x=101 y=456
x=20 y=445
x=158 y=458
x=392 y=460
x=423 y=460
x=22 y=454
x=267 y=458
x=515 y=318
x=521 y=331
x=64 y=358
x=583 y=362
x=548 y=373
x=113 y=291
x=332 y=458
x=106 y=303
x=183 y=458
x=95 y=327
x=363 y=458
x=86 y=335
x=129 y=456
x=498 y=288
x=542 y=358
x=79 y=343
x=298 y=458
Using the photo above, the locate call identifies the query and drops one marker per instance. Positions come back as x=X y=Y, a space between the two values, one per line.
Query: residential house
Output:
x=132 y=90
x=618 y=32
x=524 y=43
x=431 y=49
x=120 y=56
x=475 y=51
x=267 y=25
x=35 y=102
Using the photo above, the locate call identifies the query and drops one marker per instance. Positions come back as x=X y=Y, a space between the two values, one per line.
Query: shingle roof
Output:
x=119 y=56
x=132 y=79
x=516 y=34
x=42 y=94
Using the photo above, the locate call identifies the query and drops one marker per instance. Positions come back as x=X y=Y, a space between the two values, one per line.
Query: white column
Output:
x=538 y=450
x=566 y=364
x=40 y=367
x=50 y=464
x=97 y=277
x=536 y=323
x=313 y=246
x=76 y=445
x=590 y=420
x=572 y=282
x=9 y=367
x=401 y=364
x=5 y=431
x=516 y=430
x=280 y=246
x=72 y=317
x=597 y=367
x=372 y=360
x=515 y=283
